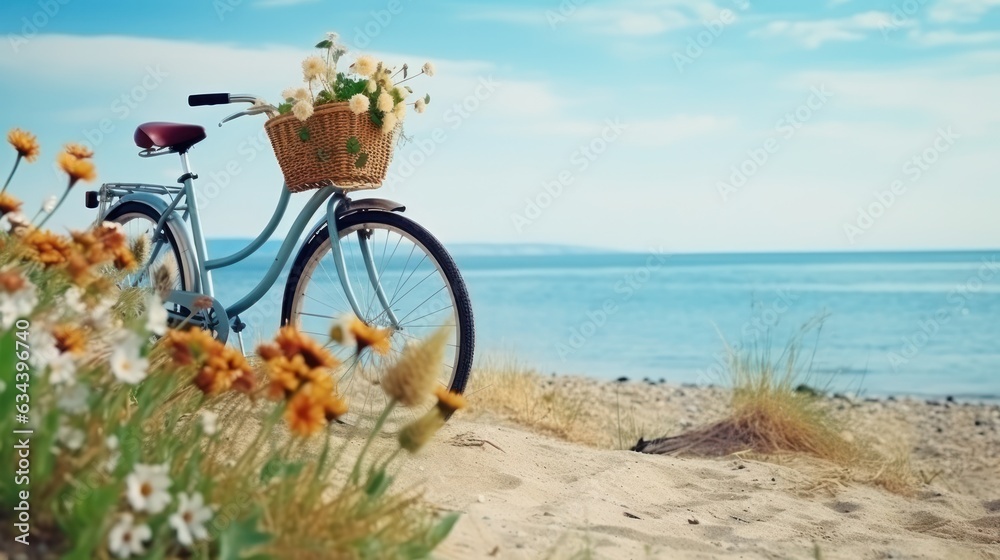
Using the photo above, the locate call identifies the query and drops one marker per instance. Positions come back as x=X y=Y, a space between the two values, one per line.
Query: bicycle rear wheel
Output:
x=421 y=282
x=139 y=220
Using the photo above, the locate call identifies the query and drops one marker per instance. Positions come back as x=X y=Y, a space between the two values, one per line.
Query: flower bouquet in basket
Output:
x=340 y=127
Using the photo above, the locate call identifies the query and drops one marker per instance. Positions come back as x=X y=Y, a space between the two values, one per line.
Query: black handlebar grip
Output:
x=208 y=99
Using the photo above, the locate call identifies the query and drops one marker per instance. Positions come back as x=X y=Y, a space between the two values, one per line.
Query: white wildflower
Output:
x=371 y=86
x=190 y=519
x=62 y=370
x=359 y=103
x=313 y=67
x=288 y=93
x=156 y=315
x=429 y=69
x=402 y=92
x=127 y=364
x=385 y=102
x=302 y=110
x=74 y=300
x=400 y=111
x=18 y=221
x=73 y=398
x=389 y=122
x=71 y=438
x=112 y=443
x=365 y=66
x=126 y=538
x=301 y=94
x=18 y=297
x=49 y=205
x=146 y=488
x=420 y=106
x=209 y=422
x=114 y=226
x=341 y=331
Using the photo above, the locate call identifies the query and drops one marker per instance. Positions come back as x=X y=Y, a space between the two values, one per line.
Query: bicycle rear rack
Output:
x=110 y=192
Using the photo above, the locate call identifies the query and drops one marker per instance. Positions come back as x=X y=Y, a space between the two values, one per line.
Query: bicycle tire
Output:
x=433 y=248
x=131 y=208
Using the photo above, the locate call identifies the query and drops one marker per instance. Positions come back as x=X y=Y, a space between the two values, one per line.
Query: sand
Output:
x=528 y=495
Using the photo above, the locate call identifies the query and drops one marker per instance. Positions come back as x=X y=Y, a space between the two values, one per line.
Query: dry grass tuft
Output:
x=770 y=417
x=507 y=388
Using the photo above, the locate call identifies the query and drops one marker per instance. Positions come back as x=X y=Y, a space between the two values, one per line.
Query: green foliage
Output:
x=347 y=86
x=361 y=161
x=240 y=538
x=353 y=145
x=304 y=134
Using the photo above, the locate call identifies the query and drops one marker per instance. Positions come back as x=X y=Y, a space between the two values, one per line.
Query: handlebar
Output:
x=200 y=99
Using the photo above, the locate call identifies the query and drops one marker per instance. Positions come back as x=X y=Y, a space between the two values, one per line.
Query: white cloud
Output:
x=961 y=11
x=813 y=34
x=948 y=37
x=633 y=18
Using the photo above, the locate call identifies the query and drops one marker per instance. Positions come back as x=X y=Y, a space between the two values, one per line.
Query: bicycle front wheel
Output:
x=420 y=281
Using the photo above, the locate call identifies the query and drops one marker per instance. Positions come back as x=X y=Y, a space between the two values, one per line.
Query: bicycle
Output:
x=168 y=217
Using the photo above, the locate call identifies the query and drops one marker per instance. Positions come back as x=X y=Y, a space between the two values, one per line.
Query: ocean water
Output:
x=920 y=323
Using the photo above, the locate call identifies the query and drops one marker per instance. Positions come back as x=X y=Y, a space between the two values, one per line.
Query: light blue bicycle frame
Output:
x=204 y=266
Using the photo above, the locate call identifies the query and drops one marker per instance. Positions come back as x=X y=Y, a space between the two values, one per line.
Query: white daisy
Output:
x=371 y=86
x=62 y=370
x=73 y=398
x=18 y=297
x=302 y=110
x=156 y=315
x=71 y=438
x=385 y=102
x=190 y=519
x=112 y=443
x=389 y=122
x=402 y=92
x=420 y=106
x=209 y=422
x=146 y=488
x=127 y=364
x=359 y=103
x=17 y=221
x=365 y=66
x=429 y=69
x=74 y=300
x=313 y=67
x=125 y=538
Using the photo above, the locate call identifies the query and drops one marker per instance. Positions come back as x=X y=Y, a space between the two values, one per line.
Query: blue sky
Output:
x=727 y=125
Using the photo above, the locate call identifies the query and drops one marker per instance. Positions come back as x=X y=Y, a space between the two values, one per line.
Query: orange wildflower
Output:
x=77 y=169
x=305 y=413
x=11 y=281
x=8 y=204
x=69 y=339
x=79 y=151
x=220 y=367
x=448 y=402
x=352 y=330
x=292 y=342
x=25 y=143
x=46 y=247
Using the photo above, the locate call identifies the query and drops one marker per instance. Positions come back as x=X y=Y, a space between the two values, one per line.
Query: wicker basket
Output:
x=314 y=154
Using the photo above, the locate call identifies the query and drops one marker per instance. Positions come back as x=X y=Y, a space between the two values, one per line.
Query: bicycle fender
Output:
x=349 y=207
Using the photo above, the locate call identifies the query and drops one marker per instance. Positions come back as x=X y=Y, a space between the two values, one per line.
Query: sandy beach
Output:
x=525 y=494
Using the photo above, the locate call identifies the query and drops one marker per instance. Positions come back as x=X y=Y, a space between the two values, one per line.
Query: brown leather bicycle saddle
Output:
x=176 y=136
